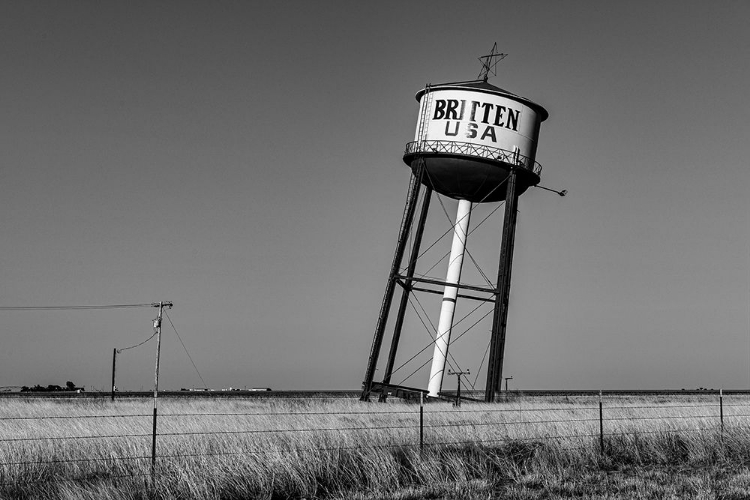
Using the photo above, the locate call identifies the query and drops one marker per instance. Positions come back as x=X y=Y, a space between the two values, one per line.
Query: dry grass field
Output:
x=525 y=448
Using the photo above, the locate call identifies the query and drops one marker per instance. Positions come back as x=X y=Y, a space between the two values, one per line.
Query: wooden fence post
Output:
x=721 y=412
x=601 y=424
x=421 y=422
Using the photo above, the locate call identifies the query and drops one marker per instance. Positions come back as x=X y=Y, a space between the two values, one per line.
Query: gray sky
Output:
x=243 y=160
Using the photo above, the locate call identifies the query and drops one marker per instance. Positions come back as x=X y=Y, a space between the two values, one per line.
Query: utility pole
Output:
x=458 y=391
x=157 y=326
x=506 y=382
x=114 y=367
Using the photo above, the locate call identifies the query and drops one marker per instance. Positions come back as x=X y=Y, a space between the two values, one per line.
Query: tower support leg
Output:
x=407 y=289
x=502 y=297
x=403 y=236
x=448 y=307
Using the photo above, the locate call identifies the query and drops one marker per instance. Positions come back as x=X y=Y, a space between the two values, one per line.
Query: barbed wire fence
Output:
x=119 y=445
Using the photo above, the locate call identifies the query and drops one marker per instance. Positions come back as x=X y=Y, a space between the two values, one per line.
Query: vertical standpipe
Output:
x=460 y=231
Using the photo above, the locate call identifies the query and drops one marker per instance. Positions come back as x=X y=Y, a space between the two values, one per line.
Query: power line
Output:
x=186 y=351
x=75 y=308
x=137 y=345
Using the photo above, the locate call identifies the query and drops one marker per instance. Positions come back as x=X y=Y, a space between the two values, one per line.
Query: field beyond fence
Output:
x=524 y=447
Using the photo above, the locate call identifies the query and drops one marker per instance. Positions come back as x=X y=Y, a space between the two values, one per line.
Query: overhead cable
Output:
x=137 y=345
x=186 y=351
x=74 y=308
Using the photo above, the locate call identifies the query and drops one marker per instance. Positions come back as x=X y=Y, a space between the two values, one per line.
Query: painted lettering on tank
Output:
x=455 y=129
x=486 y=113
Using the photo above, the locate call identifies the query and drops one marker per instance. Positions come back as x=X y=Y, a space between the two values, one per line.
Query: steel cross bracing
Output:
x=413 y=357
x=406 y=280
x=430 y=331
x=460 y=295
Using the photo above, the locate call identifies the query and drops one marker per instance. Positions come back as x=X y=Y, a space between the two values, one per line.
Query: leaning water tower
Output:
x=475 y=143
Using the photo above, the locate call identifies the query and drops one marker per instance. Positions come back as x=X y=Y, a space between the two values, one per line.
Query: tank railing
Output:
x=469 y=149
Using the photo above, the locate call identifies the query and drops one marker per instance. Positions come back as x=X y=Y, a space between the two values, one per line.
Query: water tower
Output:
x=475 y=143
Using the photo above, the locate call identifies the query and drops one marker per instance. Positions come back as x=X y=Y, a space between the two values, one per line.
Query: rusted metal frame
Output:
x=406 y=221
x=460 y=295
x=406 y=285
x=430 y=281
x=500 y=316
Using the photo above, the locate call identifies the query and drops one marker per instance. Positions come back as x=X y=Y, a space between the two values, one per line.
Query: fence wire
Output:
x=35 y=442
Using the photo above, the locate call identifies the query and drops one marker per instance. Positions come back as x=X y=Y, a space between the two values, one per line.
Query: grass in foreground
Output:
x=525 y=449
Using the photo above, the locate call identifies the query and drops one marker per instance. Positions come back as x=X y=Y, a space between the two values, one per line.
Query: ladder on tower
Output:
x=424 y=116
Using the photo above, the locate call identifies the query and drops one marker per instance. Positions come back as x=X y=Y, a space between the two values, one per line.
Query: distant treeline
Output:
x=69 y=386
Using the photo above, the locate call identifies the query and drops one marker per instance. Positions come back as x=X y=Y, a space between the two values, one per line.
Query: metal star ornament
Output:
x=489 y=63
